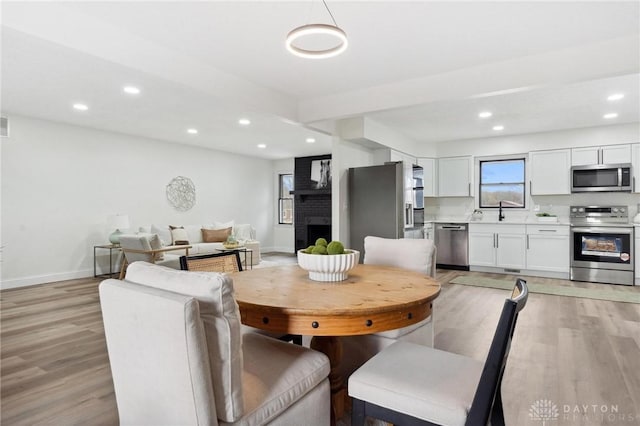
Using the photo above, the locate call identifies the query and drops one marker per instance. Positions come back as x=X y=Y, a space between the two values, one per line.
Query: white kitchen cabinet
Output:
x=501 y=246
x=635 y=162
x=430 y=169
x=482 y=247
x=455 y=176
x=550 y=172
x=610 y=154
x=510 y=250
x=548 y=248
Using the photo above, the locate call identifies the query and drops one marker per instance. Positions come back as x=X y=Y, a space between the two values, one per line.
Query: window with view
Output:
x=285 y=200
x=502 y=180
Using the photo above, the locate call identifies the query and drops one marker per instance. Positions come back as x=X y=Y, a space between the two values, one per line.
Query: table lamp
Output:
x=117 y=222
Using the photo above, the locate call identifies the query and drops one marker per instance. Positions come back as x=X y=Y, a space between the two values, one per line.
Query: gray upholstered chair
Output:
x=417 y=255
x=409 y=384
x=148 y=248
x=178 y=357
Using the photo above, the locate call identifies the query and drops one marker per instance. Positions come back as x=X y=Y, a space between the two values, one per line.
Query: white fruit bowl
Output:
x=328 y=267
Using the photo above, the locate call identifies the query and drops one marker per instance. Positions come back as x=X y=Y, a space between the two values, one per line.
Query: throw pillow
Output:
x=179 y=236
x=156 y=244
x=242 y=232
x=215 y=235
x=163 y=232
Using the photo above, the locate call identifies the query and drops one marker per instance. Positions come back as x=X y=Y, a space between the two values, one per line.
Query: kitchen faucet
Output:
x=500 y=214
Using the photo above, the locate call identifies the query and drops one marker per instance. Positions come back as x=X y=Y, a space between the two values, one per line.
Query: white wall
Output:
x=283 y=235
x=343 y=156
x=60 y=182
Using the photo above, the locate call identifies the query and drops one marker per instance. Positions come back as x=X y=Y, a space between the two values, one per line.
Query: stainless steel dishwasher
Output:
x=452 y=243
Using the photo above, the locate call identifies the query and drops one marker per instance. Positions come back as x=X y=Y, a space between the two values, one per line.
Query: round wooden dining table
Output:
x=373 y=298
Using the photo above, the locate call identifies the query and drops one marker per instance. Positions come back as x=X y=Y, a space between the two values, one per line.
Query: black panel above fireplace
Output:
x=312 y=200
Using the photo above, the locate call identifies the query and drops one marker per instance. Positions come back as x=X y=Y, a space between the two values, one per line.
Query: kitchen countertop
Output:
x=520 y=221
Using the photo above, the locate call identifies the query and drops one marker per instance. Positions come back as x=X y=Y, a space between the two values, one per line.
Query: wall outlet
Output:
x=536 y=208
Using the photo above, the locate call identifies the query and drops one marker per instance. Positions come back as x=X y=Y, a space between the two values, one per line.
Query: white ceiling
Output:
x=423 y=68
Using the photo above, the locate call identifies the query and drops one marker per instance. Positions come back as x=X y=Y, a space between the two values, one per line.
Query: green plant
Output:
x=319 y=249
x=321 y=242
x=335 y=247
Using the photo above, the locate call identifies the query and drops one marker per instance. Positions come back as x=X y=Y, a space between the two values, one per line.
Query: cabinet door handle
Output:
x=531 y=187
x=497 y=240
x=469 y=189
x=527 y=241
x=548 y=230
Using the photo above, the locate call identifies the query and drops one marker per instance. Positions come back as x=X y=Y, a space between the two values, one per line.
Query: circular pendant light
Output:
x=317 y=29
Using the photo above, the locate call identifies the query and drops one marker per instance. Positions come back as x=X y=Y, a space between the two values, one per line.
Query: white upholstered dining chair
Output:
x=178 y=357
x=417 y=255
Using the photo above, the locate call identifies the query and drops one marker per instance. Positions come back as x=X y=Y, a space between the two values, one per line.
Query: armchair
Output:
x=148 y=248
x=177 y=356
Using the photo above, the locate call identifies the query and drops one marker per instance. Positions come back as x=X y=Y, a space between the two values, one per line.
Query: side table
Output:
x=111 y=248
x=253 y=245
x=241 y=250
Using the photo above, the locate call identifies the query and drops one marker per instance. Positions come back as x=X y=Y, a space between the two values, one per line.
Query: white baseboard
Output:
x=41 y=279
x=276 y=249
x=527 y=272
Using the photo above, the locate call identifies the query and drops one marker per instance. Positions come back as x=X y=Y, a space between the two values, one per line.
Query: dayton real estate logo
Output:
x=544 y=410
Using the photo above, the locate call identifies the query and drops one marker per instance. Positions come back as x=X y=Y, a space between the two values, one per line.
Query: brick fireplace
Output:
x=312 y=200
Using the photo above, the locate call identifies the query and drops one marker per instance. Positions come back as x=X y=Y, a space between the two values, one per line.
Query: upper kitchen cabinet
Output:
x=550 y=172
x=430 y=169
x=611 y=154
x=635 y=163
x=455 y=176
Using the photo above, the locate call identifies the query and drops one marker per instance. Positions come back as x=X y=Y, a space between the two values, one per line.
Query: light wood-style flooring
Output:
x=582 y=355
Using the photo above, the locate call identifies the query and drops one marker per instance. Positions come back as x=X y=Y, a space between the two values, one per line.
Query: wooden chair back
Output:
x=215 y=262
x=487 y=402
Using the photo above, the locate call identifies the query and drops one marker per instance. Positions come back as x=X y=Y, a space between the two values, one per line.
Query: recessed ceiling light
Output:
x=610 y=115
x=310 y=140
x=132 y=90
x=485 y=114
x=244 y=122
x=616 y=97
x=262 y=146
x=498 y=128
x=192 y=131
x=80 y=107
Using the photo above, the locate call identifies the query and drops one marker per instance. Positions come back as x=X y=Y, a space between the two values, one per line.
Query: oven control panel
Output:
x=600 y=212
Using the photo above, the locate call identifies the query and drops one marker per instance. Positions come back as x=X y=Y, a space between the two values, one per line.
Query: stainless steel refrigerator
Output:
x=376 y=203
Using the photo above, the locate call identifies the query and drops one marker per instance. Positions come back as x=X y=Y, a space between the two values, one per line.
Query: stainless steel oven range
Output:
x=601 y=245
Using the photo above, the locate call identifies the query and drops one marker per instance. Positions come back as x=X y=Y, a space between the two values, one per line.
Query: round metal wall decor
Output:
x=181 y=193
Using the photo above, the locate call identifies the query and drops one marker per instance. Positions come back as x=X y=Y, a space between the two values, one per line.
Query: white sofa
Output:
x=244 y=233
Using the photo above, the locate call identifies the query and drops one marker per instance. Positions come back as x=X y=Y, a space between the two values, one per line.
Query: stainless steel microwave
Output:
x=601 y=178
